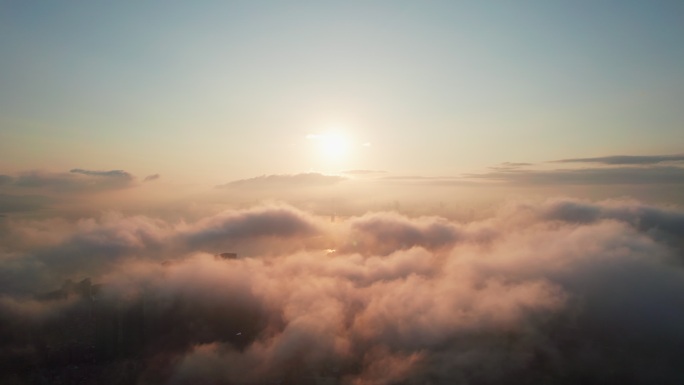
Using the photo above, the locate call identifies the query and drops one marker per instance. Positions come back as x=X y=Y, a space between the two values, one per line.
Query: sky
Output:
x=414 y=88
x=342 y=193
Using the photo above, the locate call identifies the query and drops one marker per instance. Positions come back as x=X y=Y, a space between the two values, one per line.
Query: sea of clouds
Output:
x=564 y=291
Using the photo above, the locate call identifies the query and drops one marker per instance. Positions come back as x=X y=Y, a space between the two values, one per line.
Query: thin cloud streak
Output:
x=626 y=159
x=653 y=175
x=364 y=172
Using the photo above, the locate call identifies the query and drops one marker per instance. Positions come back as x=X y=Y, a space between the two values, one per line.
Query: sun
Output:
x=335 y=145
x=331 y=145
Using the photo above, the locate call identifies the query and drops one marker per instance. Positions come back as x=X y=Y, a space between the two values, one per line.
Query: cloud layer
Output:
x=562 y=291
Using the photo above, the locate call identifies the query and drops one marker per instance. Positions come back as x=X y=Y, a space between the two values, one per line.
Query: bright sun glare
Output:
x=335 y=145
x=332 y=145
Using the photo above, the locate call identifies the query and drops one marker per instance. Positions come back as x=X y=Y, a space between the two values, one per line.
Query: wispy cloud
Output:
x=515 y=164
x=428 y=180
x=152 y=177
x=364 y=172
x=510 y=166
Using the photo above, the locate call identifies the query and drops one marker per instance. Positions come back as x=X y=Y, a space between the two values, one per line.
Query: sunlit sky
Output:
x=213 y=91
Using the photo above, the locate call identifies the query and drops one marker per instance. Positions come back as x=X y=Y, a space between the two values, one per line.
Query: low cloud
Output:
x=563 y=291
x=626 y=159
x=73 y=190
x=285 y=181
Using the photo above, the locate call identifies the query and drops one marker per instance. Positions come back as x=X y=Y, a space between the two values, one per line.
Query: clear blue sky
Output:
x=214 y=90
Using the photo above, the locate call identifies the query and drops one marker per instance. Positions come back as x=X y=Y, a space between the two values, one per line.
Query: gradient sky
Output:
x=214 y=91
